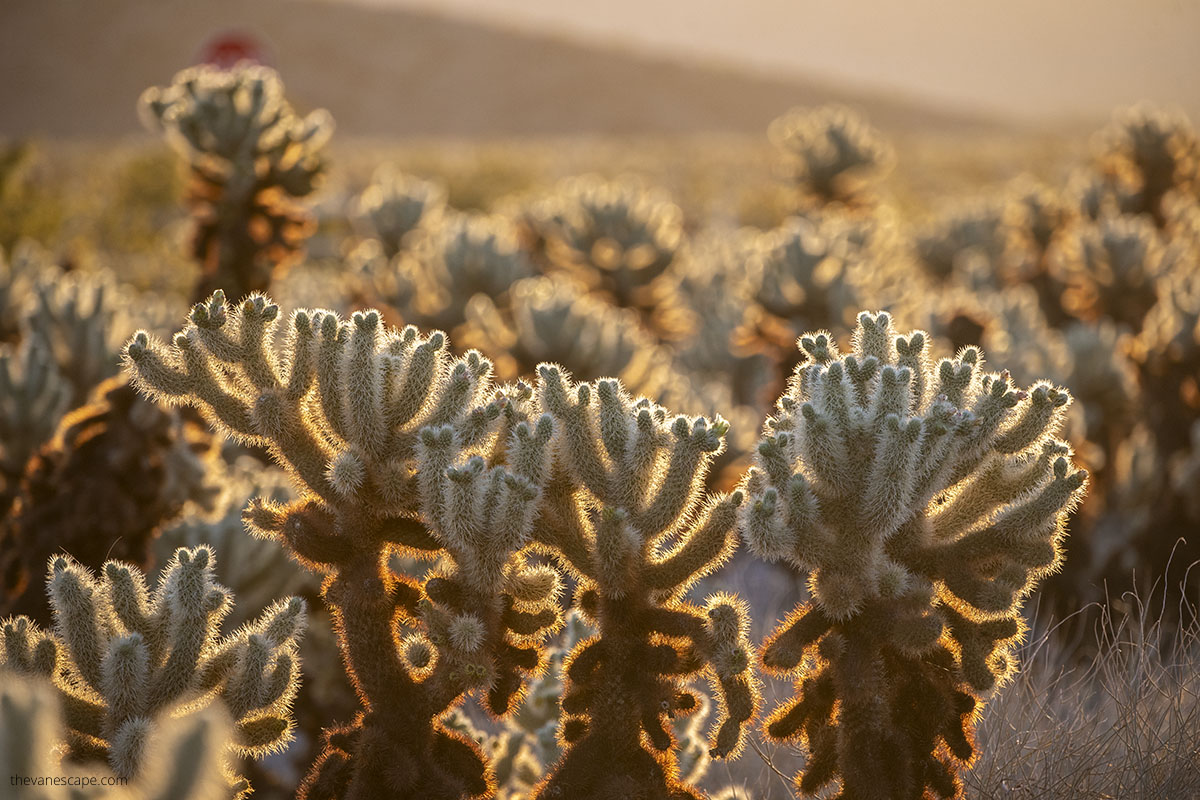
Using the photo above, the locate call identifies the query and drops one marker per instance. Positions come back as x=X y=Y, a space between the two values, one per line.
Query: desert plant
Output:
x=924 y=502
x=396 y=204
x=977 y=227
x=627 y=518
x=33 y=397
x=1111 y=268
x=74 y=316
x=1149 y=152
x=182 y=762
x=121 y=654
x=465 y=255
x=397 y=448
x=831 y=154
x=116 y=470
x=1121 y=722
x=547 y=319
x=251 y=158
x=616 y=237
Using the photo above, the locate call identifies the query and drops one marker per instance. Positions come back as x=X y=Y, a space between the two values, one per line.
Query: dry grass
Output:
x=1125 y=724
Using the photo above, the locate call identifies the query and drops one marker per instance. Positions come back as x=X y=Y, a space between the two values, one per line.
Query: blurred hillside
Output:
x=76 y=69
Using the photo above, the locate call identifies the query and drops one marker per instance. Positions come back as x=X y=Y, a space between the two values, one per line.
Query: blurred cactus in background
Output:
x=33 y=397
x=924 y=502
x=1110 y=268
x=124 y=653
x=972 y=229
x=551 y=319
x=831 y=154
x=616 y=237
x=396 y=204
x=183 y=761
x=466 y=255
x=251 y=158
x=1147 y=153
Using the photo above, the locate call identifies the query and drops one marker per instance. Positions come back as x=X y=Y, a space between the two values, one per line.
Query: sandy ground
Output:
x=74 y=68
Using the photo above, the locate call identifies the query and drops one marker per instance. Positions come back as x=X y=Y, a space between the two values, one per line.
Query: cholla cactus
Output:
x=555 y=320
x=464 y=256
x=396 y=204
x=1104 y=381
x=1167 y=352
x=1111 y=269
x=924 y=502
x=122 y=654
x=74 y=316
x=1036 y=213
x=33 y=397
x=637 y=534
x=615 y=236
x=831 y=153
x=257 y=570
x=803 y=272
x=398 y=448
x=182 y=762
x=251 y=157
x=527 y=743
x=1151 y=152
x=943 y=245
x=116 y=470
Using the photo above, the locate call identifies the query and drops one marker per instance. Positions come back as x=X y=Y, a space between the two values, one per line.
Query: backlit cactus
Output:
x=615 y=236
x=1111 y=268
x=629 y=520
x=399 y=448
x=1149 y=152
x=115 y=471
x=924 y=502
x=123 y=653
x=831 y=154
x=251 y=158
x=33 y=397
x=396 y=204
x=463 y=256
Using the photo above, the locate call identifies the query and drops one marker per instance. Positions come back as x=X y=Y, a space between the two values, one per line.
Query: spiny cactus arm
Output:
x=923 y=510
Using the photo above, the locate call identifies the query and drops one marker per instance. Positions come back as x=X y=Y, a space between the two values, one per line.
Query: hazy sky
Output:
x=1035 y=58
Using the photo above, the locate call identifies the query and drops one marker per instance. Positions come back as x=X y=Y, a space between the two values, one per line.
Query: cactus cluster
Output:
x=616 y=237
x=396 y=204
x=183 y=761
x=457 y=509
x=399 y=448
